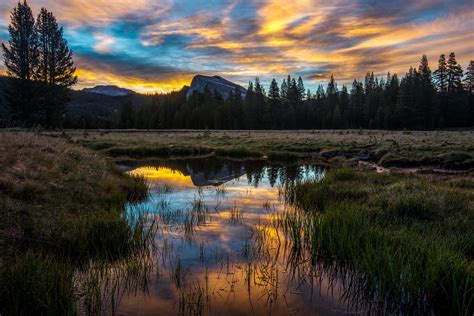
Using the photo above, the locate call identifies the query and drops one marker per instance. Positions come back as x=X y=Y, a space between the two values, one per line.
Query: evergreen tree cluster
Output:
x=422 y=99
x=39 y=63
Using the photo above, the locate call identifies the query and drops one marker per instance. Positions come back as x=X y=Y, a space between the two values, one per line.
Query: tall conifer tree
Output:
x=455 y=74
x=56 y=67
x=21 y=61
x=441 y=74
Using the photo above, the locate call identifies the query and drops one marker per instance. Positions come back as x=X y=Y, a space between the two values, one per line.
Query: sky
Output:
x=159 y=45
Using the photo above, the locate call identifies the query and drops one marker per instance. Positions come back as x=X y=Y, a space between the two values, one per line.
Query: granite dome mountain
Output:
x=217 y=84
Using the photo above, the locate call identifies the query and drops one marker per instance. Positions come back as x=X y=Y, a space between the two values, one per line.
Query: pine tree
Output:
x=332 y=86
x=357 y=115
x=249 y=108
x=469 y=78
x=390 y=100
x=369 y=83
x=469 y=86
x=21 y=61
x=424 y=104
x=320 y=92
x=406 y=102
x=261 y=111
x=21 y=57
x=441 y=74
x=284 y=91
x=455 y=74
x=56 y=67
x=293 y=99
x=344 y=107
x=274 y=91
x=300 y=88
x=275 y=103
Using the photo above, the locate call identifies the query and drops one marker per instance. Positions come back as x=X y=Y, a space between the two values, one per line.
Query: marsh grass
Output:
x=34 y=284
x=100 y=285
x=221 y=191
x=62 y=206
x=236 y=215
x=407 y=240
x=194 y=300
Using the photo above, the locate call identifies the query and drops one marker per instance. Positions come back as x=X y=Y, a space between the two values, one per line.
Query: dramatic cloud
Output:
x=152 y=45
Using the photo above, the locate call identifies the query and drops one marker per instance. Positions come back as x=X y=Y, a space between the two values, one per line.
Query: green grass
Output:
x=33 y=284
x=406 y=239
x=62 y=207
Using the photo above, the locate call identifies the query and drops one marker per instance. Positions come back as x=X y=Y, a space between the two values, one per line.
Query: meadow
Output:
x=405 y=237
x=405 y=149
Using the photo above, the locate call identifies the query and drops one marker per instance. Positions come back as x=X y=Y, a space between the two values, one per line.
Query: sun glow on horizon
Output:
x=154 y=46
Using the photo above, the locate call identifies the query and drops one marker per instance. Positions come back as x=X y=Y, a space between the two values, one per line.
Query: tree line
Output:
x=41 y=73
x=40 y=66
x=421 y=99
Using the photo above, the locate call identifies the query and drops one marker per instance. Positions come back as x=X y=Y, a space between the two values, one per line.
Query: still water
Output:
x=219 y=249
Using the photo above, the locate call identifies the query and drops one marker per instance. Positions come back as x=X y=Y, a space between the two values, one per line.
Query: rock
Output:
x=222 y=86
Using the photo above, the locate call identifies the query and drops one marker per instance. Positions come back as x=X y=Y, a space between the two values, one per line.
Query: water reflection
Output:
x=220 y=247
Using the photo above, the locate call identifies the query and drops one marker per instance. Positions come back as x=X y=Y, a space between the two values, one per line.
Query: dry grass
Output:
x=61 y=205
x=445 y=149
x=46 y=182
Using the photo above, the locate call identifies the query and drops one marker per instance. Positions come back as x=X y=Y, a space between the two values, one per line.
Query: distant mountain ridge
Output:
x=99 y=105
x=112 y=91
x=216 y=83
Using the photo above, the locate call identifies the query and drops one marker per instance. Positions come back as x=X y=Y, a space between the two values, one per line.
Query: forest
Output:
x=422 y=100
x=41 y=74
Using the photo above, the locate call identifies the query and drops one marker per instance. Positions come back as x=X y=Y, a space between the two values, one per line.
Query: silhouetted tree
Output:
x=469 y=86
x=250 y=117
x=55 y=69
x=357 y=114
x=426 y=94
x=21 y=61
x=21 y=57
x=455 y=73
x=469 y=77
x=441 y=74
x=274 y=101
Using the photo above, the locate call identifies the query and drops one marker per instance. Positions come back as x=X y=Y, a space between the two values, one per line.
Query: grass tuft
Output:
x=406 y=239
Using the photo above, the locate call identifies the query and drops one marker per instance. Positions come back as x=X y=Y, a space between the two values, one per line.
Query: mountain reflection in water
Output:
x=219 y=247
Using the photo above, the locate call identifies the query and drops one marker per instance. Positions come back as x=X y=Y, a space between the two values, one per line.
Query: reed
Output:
x=403 y=238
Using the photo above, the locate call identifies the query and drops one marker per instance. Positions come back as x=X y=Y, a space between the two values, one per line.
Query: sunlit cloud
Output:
x=104 y=43
x=154 y=46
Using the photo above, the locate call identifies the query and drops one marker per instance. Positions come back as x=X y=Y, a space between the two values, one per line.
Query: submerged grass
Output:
x=408 y=240
x=61 y=207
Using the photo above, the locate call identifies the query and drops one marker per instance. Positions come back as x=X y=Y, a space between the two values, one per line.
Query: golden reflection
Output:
x=167 y=176
x=235 y=259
